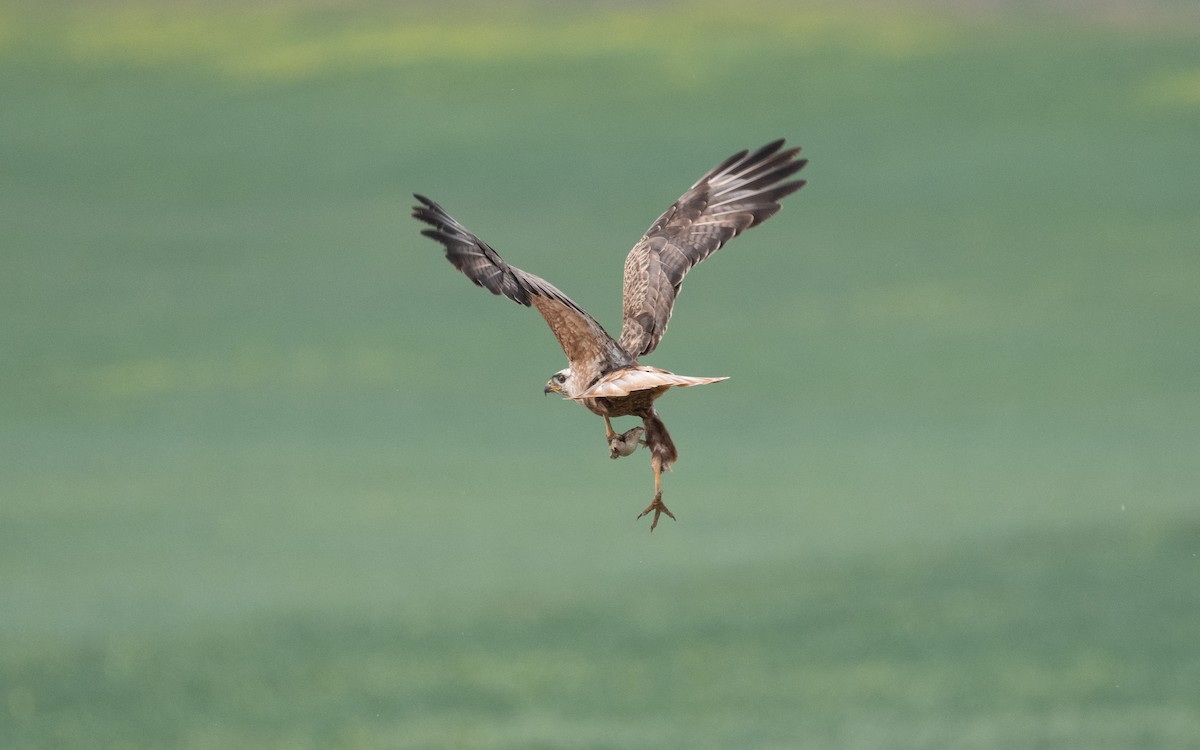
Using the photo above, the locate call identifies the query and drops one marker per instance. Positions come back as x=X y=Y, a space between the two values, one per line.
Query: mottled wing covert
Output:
x=741 y=192
x=589 y=349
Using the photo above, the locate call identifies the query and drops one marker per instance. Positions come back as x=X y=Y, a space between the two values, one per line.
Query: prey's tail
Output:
x=662 y=448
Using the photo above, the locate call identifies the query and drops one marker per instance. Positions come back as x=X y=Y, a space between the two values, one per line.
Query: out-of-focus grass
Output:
x=275 y=475
x=1075 y=640
x=273 y=41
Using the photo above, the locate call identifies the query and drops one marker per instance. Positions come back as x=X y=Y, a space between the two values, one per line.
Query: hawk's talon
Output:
x=657 y=506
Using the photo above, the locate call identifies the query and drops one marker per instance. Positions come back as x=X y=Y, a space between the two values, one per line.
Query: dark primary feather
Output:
x=589 y=349
x=741 y=192
x=477 y=259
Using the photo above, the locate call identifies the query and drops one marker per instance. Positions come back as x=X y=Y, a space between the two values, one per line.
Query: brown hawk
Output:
x=602 y=374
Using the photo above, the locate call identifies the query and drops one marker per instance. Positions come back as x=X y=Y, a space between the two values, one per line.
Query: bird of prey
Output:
x=604 y=374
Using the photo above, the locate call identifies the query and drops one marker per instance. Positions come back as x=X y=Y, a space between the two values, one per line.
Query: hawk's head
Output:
x=562 y=382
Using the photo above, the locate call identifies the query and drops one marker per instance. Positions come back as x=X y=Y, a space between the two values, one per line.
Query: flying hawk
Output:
x=602 y=374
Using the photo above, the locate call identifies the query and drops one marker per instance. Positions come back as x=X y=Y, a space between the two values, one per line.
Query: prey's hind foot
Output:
x=625 y=443
x=657 y=506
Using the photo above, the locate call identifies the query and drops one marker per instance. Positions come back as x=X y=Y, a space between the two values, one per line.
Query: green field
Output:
x=274 y=475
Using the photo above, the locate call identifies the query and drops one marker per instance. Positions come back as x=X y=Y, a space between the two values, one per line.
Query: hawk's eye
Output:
x=559 y=377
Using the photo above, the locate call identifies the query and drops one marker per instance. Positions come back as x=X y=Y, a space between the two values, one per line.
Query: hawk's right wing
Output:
x=741 y=192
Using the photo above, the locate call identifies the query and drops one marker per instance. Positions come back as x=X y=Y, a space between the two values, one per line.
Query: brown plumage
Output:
x=741 y=192
x=603 y=374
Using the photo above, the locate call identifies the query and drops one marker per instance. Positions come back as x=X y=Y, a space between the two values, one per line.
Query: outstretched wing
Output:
x=742 y=192
x=589 y=349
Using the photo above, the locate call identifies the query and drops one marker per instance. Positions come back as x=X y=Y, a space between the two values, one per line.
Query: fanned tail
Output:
x=662 y=448
x=628 y=380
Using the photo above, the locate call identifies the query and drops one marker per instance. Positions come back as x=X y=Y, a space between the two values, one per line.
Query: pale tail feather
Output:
x=624 y=382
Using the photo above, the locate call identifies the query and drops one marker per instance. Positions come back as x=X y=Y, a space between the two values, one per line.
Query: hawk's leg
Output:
x=656 y=505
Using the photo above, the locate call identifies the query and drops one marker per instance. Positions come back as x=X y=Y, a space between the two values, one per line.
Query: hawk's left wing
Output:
x=589 y=349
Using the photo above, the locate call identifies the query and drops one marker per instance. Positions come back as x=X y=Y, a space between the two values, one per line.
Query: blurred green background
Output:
x=273 y=475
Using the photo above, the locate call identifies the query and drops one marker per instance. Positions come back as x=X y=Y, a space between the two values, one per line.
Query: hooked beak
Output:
x=552 y=386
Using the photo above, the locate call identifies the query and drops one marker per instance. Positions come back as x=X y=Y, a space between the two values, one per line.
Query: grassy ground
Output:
x=273 y=475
